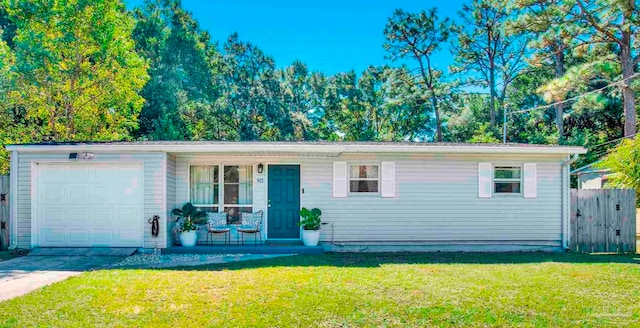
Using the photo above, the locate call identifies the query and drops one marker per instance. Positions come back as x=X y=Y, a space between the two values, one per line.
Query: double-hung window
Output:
x=204 y=187
x=222 y=188
x=364 y=178
x=507 y=179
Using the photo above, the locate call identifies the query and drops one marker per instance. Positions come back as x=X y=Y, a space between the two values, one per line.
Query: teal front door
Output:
x=283 y=201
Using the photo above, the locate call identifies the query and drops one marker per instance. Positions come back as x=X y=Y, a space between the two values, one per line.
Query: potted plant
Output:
x=310 y=224
x=190 y=217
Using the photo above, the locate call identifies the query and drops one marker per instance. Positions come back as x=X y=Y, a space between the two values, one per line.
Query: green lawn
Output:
x=338 y=290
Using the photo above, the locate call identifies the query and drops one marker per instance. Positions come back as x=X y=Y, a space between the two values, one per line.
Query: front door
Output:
x=283 y=201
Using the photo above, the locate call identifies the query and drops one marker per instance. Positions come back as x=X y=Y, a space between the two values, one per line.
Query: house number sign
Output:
x=260 y=180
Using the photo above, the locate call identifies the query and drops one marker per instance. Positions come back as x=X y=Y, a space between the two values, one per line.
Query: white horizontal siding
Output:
x=171 y=197
x=436 y=199
x=154 y=189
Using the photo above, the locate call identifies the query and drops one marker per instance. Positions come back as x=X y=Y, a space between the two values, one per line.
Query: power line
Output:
x=614 y=140
x=576 y=97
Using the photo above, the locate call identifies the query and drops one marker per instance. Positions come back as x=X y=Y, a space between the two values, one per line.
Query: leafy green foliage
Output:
x=90 y=70
x=182 y=66
x=76 y=70
x=310 y=218
x=189 y=217
x=69 y=72
x=624 y=163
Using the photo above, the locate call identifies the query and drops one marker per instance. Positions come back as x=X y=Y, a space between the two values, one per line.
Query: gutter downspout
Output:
x=13 y=201
x=566 y=190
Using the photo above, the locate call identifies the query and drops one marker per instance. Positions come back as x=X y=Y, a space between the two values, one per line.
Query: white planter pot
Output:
x=188 y=238
x=310 y=237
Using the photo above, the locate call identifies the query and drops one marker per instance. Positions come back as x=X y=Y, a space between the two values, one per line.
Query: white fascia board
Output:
x=195 y=148
x=298 y=148
x=463 y=149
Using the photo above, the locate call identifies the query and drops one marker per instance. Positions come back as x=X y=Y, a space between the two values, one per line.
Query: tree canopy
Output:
x=80 y=70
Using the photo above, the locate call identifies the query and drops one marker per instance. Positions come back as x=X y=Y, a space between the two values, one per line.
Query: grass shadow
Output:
x=371 y=260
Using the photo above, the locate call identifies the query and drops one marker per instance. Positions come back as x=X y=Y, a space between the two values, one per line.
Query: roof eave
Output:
x=299 y=148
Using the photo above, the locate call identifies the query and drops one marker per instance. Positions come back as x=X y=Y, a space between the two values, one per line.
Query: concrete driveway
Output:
x=22 y=275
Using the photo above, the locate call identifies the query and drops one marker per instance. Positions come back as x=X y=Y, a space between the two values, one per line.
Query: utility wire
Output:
x=614 y=140
x=574 y=98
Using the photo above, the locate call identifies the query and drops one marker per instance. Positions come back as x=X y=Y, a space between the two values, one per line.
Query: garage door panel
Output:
x=77 y=193
x=78 y=173
x=104 y=193
x=126 y=235
x=50 y=193
x=53 y=235
x=54 y=215
x=80 y=236
x=103 y=217
x=103 y=235
x=129 y=174
x=96 y=205
x=78 y=216
x=53 y=174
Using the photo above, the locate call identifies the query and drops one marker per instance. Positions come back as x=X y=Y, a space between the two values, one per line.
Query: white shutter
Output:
x=388 y=188
x=530 y=180
x=339 y=179
x=484 y=180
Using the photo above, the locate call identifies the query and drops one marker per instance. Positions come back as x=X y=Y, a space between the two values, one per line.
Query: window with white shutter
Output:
x=507 y=179
x=364 y=178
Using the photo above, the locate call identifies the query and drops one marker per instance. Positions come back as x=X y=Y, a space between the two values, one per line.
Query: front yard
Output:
x=441 y=289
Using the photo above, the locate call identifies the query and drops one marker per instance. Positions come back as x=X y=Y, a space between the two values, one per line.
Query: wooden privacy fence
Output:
x=603 y=220
x=4 y=211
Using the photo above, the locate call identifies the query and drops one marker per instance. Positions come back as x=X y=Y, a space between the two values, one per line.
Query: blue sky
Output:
x=329 y=35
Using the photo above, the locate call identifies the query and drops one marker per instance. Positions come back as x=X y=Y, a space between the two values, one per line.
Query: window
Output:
x=507 y=179
x=238 y=191
x=204 y=186
x=228 y=188
x=363 y=178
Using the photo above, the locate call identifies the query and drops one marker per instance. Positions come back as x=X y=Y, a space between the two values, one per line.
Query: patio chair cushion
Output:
x=217 y=222
x=251 y=222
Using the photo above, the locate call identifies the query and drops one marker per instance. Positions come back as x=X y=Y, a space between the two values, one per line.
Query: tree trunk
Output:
x=434 y=102
x=492 y=79
x=560 y=107
x=628 y=96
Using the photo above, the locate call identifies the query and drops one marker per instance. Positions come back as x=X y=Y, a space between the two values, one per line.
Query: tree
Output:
x=7 y=120
x=7 y=26
x=417 y=36
x=484 y=53
x=249 y=107
x=375 y=106
x=76 y=72
x=623 y=163
x=616 y=23
x=549 y=45
x=183 y=64
x=297 y=98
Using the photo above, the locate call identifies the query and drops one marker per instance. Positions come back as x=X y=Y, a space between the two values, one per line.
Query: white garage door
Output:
x=89 y=205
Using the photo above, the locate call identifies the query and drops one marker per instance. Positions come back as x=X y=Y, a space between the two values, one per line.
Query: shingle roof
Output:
x=217 y=142
x=256 y=147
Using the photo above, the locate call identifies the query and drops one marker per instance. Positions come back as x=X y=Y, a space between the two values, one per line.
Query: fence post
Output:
x=573 y=222
x=4 y=211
